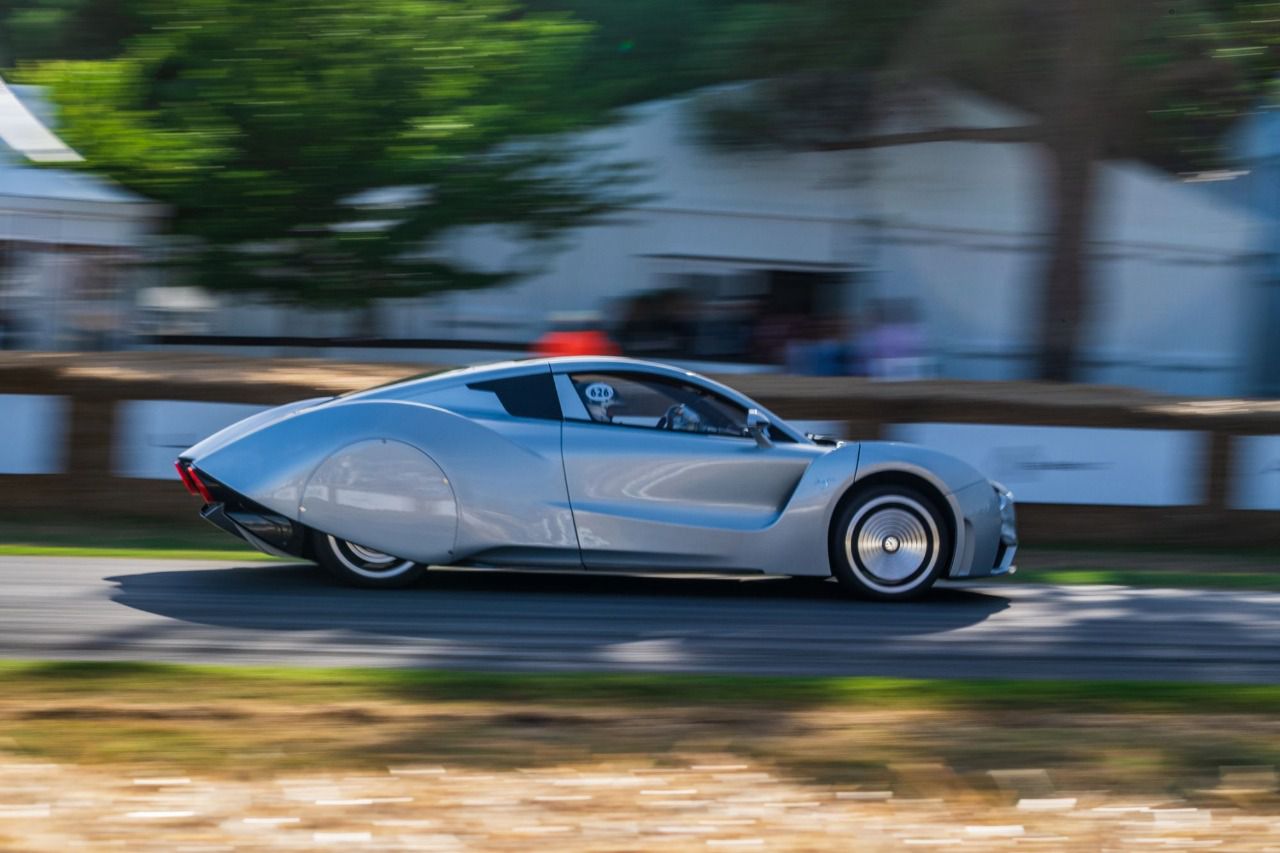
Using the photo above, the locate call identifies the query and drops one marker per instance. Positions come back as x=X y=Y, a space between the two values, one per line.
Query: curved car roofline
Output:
x=517 y=367
x=454 y=374
x=580 y=362
x=613 y=362
x=565 y=364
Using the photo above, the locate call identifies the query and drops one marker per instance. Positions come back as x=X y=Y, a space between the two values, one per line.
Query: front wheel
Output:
x=889 y=543
x=360 y=566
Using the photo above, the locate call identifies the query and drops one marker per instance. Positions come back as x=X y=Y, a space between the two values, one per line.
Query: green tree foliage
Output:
x=1177 y=73
x=643 y=49
x=261 y=124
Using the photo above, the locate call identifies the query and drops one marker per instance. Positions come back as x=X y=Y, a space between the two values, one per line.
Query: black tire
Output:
x=357 y=565
x=889 y=543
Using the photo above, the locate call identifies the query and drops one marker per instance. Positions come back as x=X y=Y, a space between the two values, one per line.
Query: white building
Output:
x=956 y=228
x=1174 y=269
x=67 y=239
x=1254 y=184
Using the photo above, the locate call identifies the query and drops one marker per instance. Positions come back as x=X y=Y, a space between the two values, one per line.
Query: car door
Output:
x=662 y=473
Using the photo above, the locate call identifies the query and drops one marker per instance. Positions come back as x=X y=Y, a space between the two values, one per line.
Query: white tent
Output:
x=65 y=236
x=44 y=205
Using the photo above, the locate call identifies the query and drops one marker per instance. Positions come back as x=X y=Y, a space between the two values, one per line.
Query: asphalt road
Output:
x=200 y=612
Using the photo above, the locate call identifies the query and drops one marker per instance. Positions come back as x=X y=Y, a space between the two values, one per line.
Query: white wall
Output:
x=1077 y=465
x=1255 y=474
x=35 y=432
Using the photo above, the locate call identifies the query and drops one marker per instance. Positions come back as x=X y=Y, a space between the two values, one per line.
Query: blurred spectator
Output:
x=641 y=330
x=658 y=323
x=724 y=330
x=829 y=355
x=577 y=333
x=895 y=344
x=822 y=348
x=775 y=336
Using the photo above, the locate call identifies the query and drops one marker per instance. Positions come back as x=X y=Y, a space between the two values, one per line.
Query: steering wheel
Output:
x=668 y=417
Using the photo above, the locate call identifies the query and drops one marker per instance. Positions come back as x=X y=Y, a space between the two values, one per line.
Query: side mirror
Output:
x=758 y=427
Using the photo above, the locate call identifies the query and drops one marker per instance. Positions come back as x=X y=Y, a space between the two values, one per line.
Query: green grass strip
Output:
x=1153 y=578
x=123 y=681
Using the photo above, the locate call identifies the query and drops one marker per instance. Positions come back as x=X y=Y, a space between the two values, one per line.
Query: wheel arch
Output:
x=918 y=481
x=387 y=494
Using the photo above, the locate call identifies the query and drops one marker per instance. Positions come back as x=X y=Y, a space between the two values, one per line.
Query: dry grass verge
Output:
x=158 y=757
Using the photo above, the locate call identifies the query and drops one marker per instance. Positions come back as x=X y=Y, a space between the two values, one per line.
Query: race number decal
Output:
x=599 y=392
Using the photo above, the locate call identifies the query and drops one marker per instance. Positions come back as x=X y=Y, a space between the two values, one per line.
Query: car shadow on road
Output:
x=304 y=598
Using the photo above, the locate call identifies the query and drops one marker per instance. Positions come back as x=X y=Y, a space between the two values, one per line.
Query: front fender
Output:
x=814 y=503
x=947 y=473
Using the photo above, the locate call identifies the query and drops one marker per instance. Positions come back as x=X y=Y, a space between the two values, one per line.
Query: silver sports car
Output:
x=605 y=464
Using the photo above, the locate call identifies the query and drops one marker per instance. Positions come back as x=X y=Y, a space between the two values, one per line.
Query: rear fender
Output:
x=241 y=428
x=409 y=479
x=385 y=494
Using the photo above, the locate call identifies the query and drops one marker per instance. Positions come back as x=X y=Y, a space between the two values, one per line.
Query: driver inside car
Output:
x=600 y=398
x=682 y=418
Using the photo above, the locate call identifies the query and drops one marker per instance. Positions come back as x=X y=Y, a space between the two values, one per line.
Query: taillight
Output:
x=185 y=476
x=201 y=488
x=191 y=480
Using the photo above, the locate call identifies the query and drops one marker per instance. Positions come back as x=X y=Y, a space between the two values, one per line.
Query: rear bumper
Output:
x=268 y=532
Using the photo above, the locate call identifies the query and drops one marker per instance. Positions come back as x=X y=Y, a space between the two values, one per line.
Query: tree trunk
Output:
x=1071 y=179
x=1076 y=118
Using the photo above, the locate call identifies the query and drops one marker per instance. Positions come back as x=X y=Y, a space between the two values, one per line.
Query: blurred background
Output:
x=1041 y=235
x=974 y=189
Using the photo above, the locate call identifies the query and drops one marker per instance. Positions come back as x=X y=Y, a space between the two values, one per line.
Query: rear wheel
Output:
x=361 y=566
x=889 y=543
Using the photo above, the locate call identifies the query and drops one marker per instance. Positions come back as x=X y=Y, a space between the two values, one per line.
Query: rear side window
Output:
x=531 y=396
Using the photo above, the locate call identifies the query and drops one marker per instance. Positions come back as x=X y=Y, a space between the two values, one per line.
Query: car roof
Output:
x=566 y=364
x=520 y=367
x=561 y=363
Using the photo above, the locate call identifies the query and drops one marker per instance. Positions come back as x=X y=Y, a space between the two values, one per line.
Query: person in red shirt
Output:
x=578 y=334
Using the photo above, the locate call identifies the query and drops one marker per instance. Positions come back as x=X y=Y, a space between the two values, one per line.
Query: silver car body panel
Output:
x=437 y=471
x=241 y=428
x=644 y=497
x=508 y=482
x=388 y=491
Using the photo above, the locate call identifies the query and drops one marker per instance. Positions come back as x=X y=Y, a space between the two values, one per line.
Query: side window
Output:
x=639 y=400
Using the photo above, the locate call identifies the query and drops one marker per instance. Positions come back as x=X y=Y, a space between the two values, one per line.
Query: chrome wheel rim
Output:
x=891 y=543
x=367 y=562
